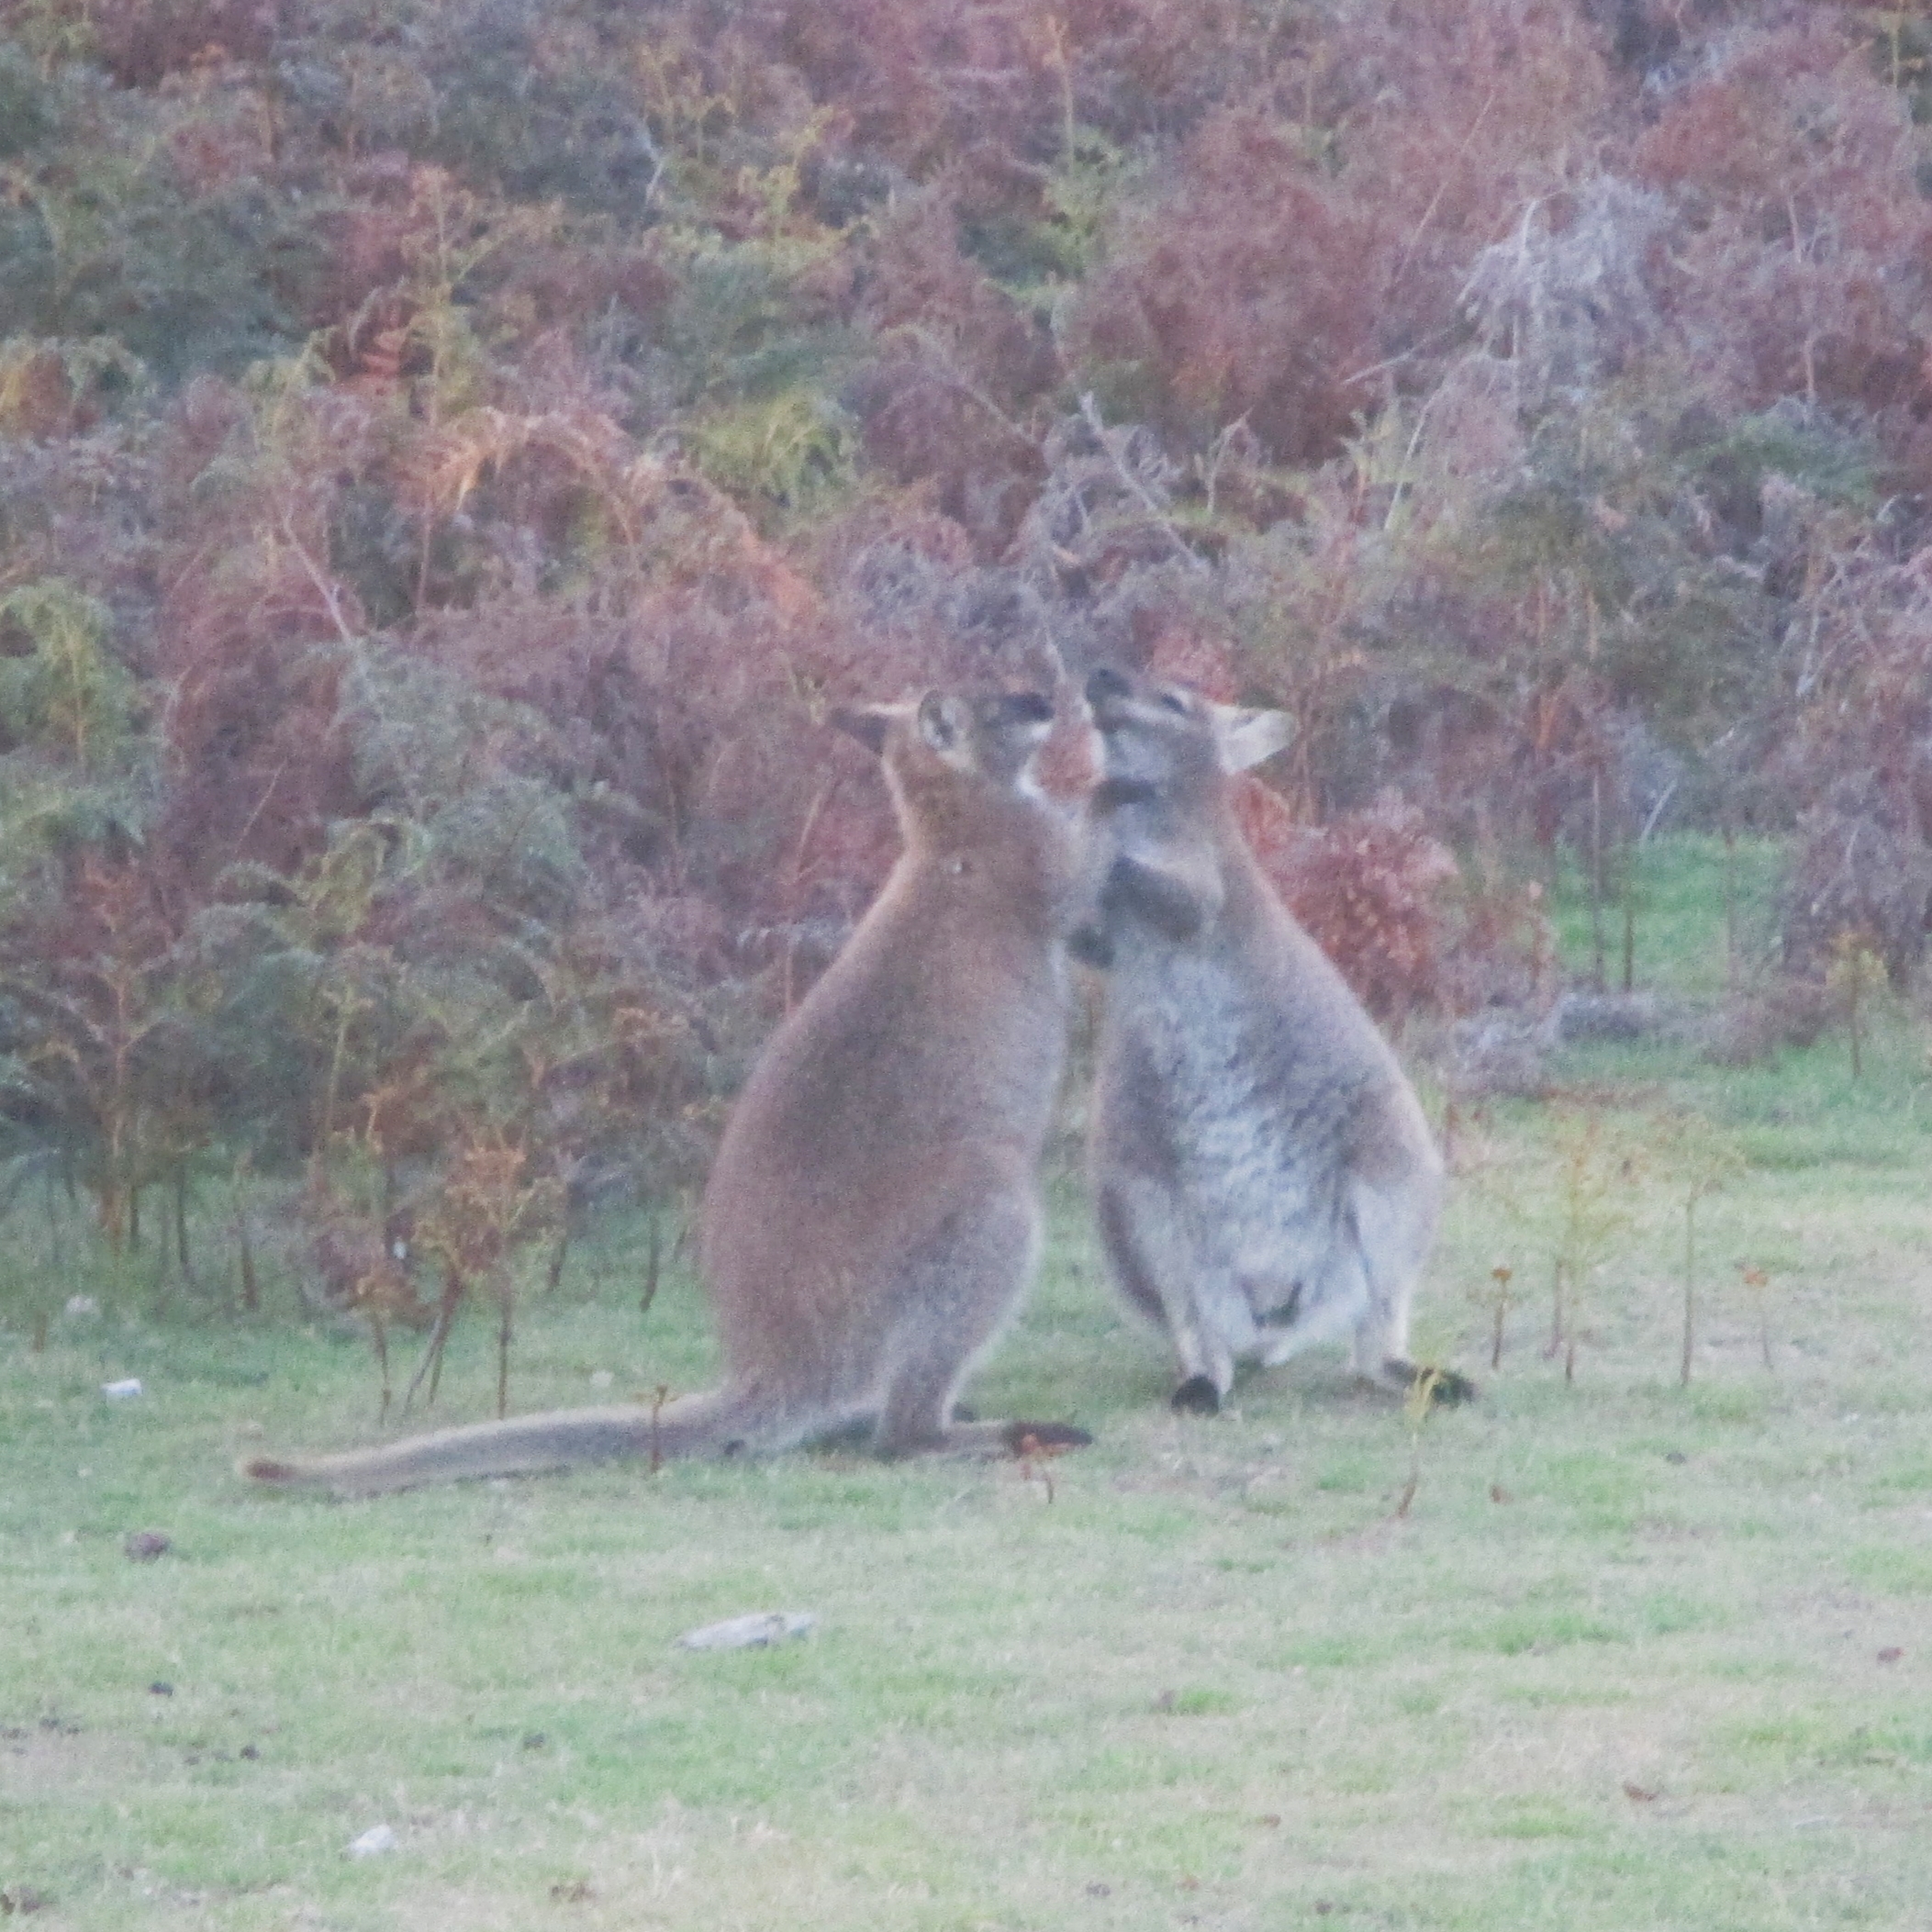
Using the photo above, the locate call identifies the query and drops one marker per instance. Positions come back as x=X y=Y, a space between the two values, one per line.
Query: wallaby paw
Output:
x=1044 y=1438
x=1196 y=1396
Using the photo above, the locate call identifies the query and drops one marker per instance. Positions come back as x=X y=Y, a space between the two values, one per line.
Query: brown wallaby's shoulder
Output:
x=951 y=994
x=871 y=1218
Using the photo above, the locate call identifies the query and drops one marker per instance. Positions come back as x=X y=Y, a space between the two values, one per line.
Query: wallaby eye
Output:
x=1175 y=702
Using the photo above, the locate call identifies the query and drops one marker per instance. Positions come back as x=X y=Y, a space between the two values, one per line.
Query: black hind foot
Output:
x=1446 y=1387
x=1196 y=1396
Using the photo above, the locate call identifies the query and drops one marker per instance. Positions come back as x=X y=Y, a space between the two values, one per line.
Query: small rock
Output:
x=80 y=1307
x=377 y=1840
x=143 y=1546
x=602 y=1377
x=122 y=1391
x=161 y=1687
x=754 y=1631
x=1583 y=1016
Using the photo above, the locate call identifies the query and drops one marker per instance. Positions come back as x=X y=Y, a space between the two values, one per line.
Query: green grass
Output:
x=1681 y=885
x=1619 y=1666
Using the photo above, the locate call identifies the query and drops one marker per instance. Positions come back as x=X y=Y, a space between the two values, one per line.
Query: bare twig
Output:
x=654 y=1255
x=330 y=593
x=1091 y=416
x=944 y=372
x=1442 y=188
x=659 y=1396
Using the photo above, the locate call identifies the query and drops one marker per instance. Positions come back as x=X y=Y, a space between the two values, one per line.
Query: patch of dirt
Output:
x=55 y=1754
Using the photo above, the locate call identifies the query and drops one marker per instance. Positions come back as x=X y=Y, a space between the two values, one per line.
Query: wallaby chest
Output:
x=1207 y=1071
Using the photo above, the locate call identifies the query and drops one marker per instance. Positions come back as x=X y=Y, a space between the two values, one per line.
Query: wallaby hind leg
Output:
x=957 y=1292
x=1395 y=1231
x=1157 y=1266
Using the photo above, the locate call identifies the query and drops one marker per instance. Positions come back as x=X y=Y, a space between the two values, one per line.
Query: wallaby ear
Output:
x=867 y=723
x=1247 y=737
x=944 y=723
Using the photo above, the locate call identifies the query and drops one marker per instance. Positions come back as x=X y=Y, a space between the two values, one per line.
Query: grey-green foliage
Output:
x=790 y=451
x=418 y=934
x=102 y=235
x=437 y=756
x=513 y=837
x=77 y=768
x=1797 y=440
x=742 y=321
x=1663 y=598
x=67 y=694
x=532 y=93
x=1034 y=259
x=307 y=1010
x=29 y=107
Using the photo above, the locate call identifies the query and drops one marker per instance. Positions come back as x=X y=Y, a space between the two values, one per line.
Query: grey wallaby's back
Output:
x=1262 y=1171
x=871 y=1218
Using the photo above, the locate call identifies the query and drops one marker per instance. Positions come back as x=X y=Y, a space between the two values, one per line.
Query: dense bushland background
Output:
x=452 y=452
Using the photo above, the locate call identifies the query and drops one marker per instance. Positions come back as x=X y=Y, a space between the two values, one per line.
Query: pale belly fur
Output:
x=1257 y=1127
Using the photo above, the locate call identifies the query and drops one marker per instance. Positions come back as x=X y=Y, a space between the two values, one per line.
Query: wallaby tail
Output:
x=524 y=1445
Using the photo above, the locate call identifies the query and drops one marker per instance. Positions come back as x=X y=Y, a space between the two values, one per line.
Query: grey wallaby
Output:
x=871 y=1218
x=1262 y=1171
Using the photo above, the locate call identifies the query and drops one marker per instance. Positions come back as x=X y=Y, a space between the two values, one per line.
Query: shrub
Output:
x=1371 y=889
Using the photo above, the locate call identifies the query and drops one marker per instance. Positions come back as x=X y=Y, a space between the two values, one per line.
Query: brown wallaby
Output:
x=871 y=1218
x=1263 y=1174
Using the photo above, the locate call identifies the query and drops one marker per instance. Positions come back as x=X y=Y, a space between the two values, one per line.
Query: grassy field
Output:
x=1633 y=1656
